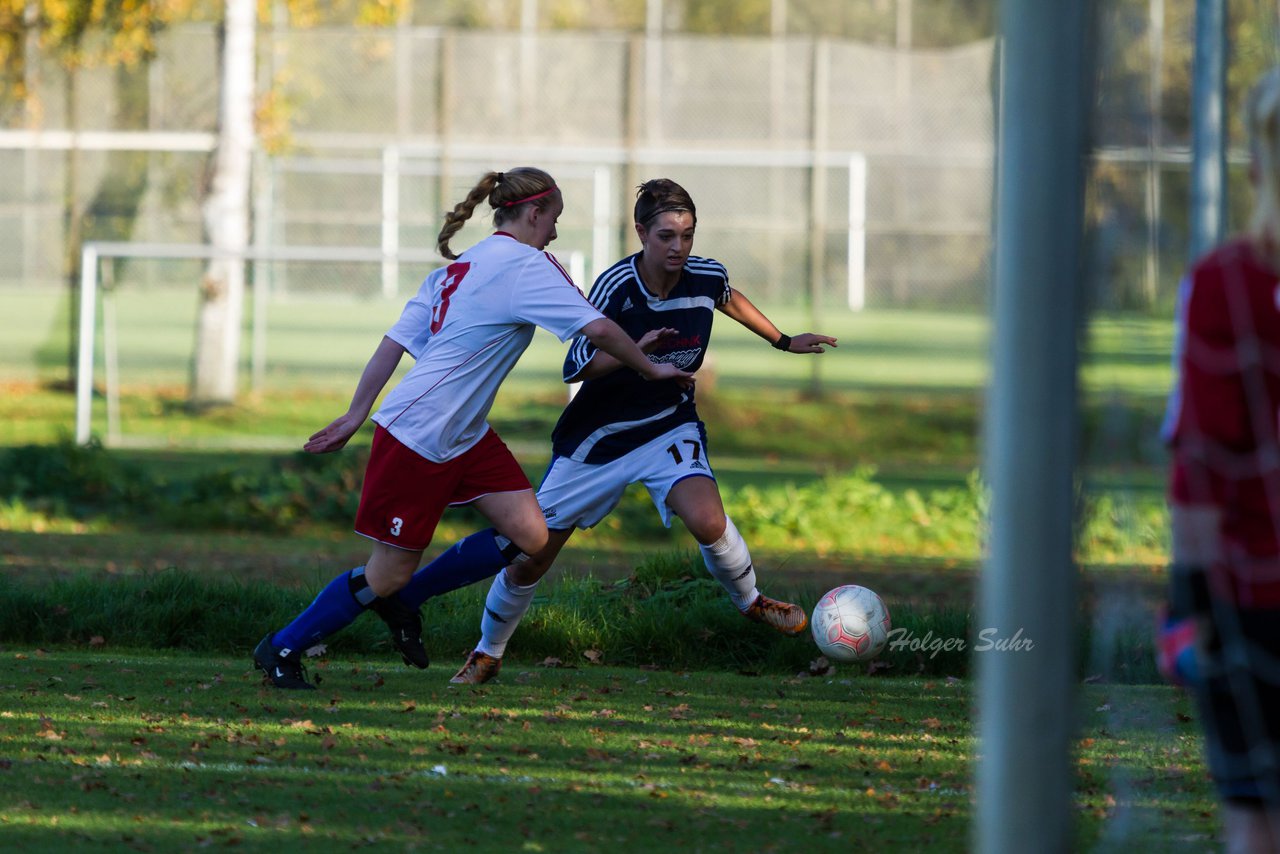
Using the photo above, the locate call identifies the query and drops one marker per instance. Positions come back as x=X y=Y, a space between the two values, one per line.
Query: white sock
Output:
x=730 y=562
x=506 y=603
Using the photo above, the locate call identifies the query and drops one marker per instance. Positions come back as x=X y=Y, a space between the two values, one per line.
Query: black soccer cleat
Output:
x=405 y=624
x=283 y=667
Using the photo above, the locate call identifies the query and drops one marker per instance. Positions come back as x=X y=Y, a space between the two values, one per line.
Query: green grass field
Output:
x=170 y=751
x=858 y=466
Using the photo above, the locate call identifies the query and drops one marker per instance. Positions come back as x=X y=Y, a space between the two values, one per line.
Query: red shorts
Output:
x=405 y=494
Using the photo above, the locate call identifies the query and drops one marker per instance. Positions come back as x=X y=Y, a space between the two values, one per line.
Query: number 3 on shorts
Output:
x=396 y=524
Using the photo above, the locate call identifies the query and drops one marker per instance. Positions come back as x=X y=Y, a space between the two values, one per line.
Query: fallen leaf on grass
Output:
x=97 y=641
x=595 y=656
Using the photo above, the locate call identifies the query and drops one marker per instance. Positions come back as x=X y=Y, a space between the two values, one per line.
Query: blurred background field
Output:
x=859 y=464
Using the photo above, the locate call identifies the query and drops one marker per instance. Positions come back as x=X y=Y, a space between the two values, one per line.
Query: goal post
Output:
x=1023 y=778
x=102 y=321
x=91 y=289
x=857 y=232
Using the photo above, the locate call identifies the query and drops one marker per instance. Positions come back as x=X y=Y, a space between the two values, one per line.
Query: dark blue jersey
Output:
x=618 y=412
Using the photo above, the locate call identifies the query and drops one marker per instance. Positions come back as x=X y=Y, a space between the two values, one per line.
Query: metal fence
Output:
x=387 y=128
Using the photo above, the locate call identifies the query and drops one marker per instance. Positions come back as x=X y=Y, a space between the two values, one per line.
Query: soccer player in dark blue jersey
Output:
x=620 y=430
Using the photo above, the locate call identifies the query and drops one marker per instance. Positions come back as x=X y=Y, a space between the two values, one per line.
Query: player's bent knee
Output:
x=530 y=536
x=709 y=529
x=532 y=542
x=387 y=577
x=521 y=545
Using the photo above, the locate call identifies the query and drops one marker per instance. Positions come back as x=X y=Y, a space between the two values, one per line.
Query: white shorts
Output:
x=578 y=495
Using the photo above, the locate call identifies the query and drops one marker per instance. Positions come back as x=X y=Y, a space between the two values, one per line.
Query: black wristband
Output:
x=783 y=342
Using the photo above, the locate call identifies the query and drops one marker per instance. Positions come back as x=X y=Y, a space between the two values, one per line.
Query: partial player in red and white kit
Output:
x=433 y=448
x=1222 y=632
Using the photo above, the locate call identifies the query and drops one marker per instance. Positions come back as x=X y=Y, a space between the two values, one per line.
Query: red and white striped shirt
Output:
x=1223 y=422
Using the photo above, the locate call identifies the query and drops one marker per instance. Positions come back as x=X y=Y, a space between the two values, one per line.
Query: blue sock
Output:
x=337 y=605
x=467 y=561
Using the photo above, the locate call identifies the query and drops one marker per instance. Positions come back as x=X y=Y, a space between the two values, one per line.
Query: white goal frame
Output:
x=396 y=162
x=91 y=280
x=91 y=284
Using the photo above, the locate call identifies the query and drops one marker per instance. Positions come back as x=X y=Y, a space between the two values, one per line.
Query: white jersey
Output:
x=466 y=328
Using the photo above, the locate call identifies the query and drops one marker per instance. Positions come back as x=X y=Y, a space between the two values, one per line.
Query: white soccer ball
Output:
x=850 y=623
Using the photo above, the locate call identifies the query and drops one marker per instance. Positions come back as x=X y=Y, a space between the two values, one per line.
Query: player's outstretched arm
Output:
x=744 y=311
x=602 y=363
x=612 y=339
x=382 y=364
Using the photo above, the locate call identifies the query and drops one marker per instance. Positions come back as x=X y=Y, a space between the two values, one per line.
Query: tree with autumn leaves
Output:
x=120 y=34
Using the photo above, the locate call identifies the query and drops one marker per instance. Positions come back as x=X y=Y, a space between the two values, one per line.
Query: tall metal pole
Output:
x=654 y=26
x=1209 y=128
x=1024 y=643
x=1155 y=95
x=819 y=130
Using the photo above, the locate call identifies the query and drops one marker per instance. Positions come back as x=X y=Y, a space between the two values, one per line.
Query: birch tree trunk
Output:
x=226 y=215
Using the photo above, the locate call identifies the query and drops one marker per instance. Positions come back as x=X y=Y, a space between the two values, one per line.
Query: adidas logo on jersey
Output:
x=626 y=305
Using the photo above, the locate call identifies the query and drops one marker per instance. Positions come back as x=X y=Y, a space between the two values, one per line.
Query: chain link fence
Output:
x=368 y=135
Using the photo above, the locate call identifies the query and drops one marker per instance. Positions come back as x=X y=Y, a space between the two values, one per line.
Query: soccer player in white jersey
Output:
x=432 y=447
x=619 y=430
